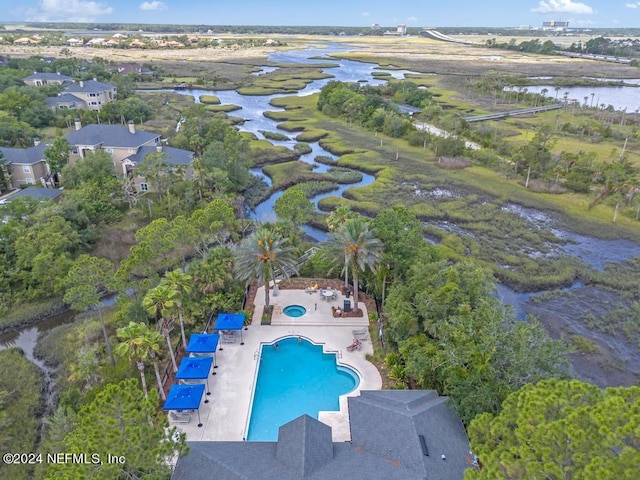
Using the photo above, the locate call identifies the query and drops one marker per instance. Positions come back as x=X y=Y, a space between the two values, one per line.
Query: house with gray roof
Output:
x=128 y=147
x=94 y=94
x=37 y=193
x=26 y=166
x=65 y=101
x=395 y=435
x=39 y=79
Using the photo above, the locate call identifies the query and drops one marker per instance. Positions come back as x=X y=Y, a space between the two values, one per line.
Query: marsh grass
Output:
x=223 y=108
x=274 y=135
x=209 y=99
x=518 y=254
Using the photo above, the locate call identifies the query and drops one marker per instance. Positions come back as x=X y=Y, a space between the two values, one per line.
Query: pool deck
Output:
x=226 y=415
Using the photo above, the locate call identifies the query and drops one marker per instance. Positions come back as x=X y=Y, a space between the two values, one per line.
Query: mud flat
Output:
x=611 y=360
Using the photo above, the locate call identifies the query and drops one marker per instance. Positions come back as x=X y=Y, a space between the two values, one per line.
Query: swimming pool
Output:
x=294 y=311
x=295 y=378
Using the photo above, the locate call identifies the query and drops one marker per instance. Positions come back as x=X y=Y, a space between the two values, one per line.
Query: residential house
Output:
x=111 y=43
x=66 y=101
x=96 y=41
x=137 y=44
x=173 y=44
x=128 y=147
x=40 y=194
x=93 y=93
x=25 y=41
x=26 y=166
x=395 y=435
x=75 y=42
x=38 y=79
x=119 y=36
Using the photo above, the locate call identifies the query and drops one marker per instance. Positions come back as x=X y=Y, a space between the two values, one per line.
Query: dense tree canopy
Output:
x=560 y=430
x=121 y=421
x=454 y=337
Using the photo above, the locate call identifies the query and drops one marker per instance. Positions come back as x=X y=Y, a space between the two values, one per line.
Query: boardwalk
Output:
x=513 y=113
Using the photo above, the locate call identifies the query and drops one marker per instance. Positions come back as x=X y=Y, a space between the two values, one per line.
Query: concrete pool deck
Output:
x=226 y=415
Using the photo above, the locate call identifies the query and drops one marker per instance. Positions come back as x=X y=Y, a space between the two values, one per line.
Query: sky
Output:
x=414 y=13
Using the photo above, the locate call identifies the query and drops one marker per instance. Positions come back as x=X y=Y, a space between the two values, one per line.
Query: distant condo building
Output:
x=401 y=31
x=555 y=25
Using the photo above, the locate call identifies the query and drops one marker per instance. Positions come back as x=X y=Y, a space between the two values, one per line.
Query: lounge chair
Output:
x=361 y=334
x=180 y=416
x=355 y=345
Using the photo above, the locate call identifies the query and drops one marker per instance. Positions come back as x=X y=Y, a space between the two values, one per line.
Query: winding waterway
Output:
x=253 y=108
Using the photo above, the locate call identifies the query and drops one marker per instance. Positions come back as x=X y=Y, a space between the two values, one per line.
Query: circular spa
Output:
x=294 y=311
x=295 y=377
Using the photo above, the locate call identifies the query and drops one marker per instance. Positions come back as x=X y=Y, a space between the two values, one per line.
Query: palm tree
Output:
x=360 y=247
x=158 y=302
x=335 y=220
x=214 y=271
x=180 y=284
x=260 y=254
x=134 y=346
x=138 y=338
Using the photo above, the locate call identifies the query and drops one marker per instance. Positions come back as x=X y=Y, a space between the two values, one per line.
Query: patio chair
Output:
x=228 y=336
x=355 y=345
x=361 y=333
x=180 y=416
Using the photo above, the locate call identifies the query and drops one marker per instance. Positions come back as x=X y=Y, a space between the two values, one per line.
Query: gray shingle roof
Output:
x=24 y=156
x=110 y=136
x=89 y=86
x=174 y=156
x=304 y=445
x=63 y=98
x=36 y=193
x=48 y=76
x=393 y=420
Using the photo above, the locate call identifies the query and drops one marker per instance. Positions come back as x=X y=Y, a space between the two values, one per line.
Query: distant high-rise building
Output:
x=555 y=25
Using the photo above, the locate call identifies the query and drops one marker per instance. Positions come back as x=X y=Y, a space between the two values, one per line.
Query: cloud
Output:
x=365 y=14
x=68 y=10
x=155 y=5
x=412 y=18
x=632 y=5
x=562 y=6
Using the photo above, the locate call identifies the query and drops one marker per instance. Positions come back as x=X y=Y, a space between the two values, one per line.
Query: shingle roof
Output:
x=48 y=76
x=401 y=417
x=304 y=445
x=24 y=156
x=63 y=98
x=89 y=86
x=174 y=156
x=393 y=420
x=37 y=193
x=110 y=136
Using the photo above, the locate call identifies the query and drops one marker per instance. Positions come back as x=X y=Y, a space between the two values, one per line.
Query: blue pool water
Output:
x=294 y=310
x=293 y=379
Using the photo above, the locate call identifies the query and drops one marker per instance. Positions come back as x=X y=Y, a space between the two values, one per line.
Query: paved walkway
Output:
x=226 y=415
